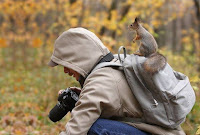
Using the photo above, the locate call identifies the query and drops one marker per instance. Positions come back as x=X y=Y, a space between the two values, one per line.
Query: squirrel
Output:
x=148 y=48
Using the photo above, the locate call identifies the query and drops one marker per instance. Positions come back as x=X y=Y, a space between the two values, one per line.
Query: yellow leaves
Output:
x=112 y=23
x=36 y=91
x=186 y=40
x=2 y=91
x=19 y=132
x=143 y=4
x=184 y=32
x=190 y=39
x=113 y=26
x=198 y=131
x=158 y=3
x=74 y=9
x=7 y=6
x=132 y=15
x=73 y=22
x=3 y=43
x=173 y=16
x=108 y=41
x=196 y=35
x=36 y=43
x=29 y=6
x=195 y=79
x=19 y=88
x=156 y=23
x=119 y=32
x=130 y=2
x=114 y=15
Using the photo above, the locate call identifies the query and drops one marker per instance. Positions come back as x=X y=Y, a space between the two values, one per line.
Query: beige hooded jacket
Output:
x=105 y=92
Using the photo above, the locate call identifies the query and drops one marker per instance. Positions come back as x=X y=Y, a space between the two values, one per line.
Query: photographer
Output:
x=105 y=93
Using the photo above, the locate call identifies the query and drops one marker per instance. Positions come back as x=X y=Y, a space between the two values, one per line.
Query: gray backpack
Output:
x=165 y=97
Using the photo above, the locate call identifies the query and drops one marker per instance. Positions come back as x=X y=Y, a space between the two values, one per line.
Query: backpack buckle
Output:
x=124 y=50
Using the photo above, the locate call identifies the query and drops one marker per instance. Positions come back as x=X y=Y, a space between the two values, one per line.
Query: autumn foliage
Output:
x=28 y=30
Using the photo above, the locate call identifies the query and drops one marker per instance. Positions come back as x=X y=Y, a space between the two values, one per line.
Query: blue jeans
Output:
x=110 y=127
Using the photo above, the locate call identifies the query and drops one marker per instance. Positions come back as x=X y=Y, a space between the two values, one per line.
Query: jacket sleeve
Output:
x=96 y=96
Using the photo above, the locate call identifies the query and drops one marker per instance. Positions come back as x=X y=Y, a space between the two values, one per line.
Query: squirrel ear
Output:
x=137 y=20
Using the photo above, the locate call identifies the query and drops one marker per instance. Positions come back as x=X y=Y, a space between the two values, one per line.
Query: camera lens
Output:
x=57 y=113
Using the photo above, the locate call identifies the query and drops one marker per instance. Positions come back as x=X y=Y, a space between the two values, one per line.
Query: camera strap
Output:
x=106 y=58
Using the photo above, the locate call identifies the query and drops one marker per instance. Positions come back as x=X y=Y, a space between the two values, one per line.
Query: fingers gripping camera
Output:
x=66 y=102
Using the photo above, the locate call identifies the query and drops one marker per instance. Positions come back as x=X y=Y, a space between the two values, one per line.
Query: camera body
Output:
x=66 y=102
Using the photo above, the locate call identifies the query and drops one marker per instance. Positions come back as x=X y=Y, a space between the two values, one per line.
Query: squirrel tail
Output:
x=154 y=63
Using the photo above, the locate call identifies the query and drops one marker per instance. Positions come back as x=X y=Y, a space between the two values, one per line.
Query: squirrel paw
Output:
x=138 y=53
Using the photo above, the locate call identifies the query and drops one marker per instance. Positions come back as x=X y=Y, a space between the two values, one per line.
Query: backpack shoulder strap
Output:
x=113 y=64
x=107 y=64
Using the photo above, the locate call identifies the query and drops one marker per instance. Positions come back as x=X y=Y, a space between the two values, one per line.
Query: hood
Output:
x=79 y=50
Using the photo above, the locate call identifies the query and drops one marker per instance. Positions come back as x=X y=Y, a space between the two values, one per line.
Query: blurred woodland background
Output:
x=28 y=29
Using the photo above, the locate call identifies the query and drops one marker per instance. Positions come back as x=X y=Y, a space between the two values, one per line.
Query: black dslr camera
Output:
x=66 y=102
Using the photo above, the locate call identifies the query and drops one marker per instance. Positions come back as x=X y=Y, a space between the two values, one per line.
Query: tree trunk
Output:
x=112 y=7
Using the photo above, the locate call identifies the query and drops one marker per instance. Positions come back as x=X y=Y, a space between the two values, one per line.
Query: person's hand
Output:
x=60 y=91
x=76 y=89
